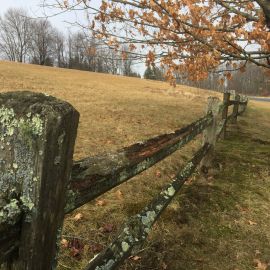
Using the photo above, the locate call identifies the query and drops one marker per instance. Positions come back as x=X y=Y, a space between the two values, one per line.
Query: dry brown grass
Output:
x=196 y=230
x=115 y=111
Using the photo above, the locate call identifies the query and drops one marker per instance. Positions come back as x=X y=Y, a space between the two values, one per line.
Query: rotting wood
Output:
x=94 y=176
x=136 y=230
x=37 y=135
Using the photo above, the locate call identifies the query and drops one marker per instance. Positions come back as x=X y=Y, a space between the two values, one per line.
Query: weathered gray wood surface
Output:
x=94 y=176
x=242 y=104
x=220 y=128
x=235 y=109
x=136 y=230
x=233 y=102
x=36 y=140
x=210 y=133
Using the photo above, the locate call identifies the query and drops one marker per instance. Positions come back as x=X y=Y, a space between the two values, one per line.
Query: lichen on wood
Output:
x=10 y=213
x=210 y=133
x=15 y=158
x=37 y=139
x=136 y=230
x=93 y=176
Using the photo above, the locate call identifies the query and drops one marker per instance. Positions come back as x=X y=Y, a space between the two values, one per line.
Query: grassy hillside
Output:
x=221 y=222
x=115 y=111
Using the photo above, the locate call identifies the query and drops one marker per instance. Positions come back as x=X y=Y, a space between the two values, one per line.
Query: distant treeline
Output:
x=252 y=80
x=36 y=41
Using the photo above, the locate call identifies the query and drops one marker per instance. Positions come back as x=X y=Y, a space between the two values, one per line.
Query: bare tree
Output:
x=127 y=61
x=77 y=50
x=254 y=81
x=15 y=34
x=60 y=49
x=45 y=45
x=42 y=42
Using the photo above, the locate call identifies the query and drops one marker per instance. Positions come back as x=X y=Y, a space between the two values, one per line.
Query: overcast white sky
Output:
x=34 y=8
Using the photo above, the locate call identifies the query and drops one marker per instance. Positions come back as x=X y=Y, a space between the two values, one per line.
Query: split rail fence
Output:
x=39 y=183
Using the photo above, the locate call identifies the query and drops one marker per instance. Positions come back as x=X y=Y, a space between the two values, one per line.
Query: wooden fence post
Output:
x=235 y=109
x=226 y=100
x=242 y=107
x=210 y=133
x=37 y=136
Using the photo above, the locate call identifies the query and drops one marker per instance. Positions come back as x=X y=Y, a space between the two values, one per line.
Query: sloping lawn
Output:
x=216 y=222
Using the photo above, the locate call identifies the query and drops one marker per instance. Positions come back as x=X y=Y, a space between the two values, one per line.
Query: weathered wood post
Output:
x=243 y=104
x=245 y=99
x=233 y=93
x=226 y=100
x=210 y=133
x=235 y=109
x=37 y=140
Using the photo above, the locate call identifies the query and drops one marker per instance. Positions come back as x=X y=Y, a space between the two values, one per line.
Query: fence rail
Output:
x=39 y=184
x=94 y=176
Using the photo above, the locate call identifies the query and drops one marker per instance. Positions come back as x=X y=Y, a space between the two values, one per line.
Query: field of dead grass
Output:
x=219 y=224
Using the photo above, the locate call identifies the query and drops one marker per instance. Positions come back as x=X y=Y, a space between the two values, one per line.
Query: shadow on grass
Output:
x=223 y=224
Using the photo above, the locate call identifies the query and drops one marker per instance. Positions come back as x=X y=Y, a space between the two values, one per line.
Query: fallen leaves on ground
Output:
x=135 y=258
x=100 y=202
x=119 y=195
x=250 y=222
x=78 y=217
x=76 y=247
x=164 y=266
x=64 y=243
x=260 y=265
x=96 y=248
x=107 y=228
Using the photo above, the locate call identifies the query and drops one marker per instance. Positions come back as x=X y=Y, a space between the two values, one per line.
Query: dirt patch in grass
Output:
x=220 y=223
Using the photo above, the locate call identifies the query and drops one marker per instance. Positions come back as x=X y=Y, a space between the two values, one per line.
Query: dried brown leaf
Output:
x=96 y=248
x=260 y=265
x=107 y=228
x=119 y=195
x=78 y=217
x=135 y=258
x=250 y=222
x=100 y=202
x=64 y=243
